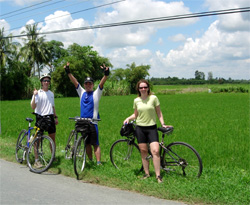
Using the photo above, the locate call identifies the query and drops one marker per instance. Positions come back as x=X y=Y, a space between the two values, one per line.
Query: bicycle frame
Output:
x=130 y=148
x=168 y=151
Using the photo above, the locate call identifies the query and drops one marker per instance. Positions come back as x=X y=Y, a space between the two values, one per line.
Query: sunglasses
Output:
x=143 y=88
x=48 y=81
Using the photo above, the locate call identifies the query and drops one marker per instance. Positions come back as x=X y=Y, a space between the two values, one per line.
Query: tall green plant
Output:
x=115 y=88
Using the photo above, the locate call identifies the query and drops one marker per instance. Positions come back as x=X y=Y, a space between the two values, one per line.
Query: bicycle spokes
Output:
x=80 y=156
x=125 y=155
x=41 y=154
x=182 y=159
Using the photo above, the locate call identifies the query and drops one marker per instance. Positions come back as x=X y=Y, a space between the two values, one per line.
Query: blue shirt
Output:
x=89 y=102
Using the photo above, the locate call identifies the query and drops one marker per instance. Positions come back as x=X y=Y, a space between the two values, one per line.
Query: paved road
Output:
x=20 y=186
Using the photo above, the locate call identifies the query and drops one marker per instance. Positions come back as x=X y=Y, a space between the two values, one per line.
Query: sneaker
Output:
x=146 y=176
x=159 y=179
x=99 y=163
x=38 y=165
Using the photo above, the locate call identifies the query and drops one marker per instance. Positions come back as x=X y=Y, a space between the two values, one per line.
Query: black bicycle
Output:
x=71 y=143
x=177 y=157
x=37 y=148
x=76 y=146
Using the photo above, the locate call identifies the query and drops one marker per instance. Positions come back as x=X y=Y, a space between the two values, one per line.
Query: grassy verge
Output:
x=217 y=125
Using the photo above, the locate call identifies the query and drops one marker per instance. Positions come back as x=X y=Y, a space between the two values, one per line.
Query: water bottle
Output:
x=31 y=138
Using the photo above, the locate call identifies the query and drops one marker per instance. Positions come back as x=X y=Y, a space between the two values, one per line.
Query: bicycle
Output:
x=70 y=146
x=177 y=157
x=77 y=149
x=37 y=149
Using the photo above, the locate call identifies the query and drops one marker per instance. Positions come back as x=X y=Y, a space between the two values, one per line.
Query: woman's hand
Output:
x=126 y=121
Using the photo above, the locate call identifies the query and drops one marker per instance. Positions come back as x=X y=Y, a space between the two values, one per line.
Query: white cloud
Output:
x=222 y=4
x=225 y=54
x=4 y=24
x=139 y=34
x=123 y=56
x=26 y=2
x=178 y=37
x=53 y=23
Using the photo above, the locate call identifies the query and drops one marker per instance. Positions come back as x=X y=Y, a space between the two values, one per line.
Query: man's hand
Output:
x=67 y=70
x=56 y=121
x=35 y=92
x=105 y=69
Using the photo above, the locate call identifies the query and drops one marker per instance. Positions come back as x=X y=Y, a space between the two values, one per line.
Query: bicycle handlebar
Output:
x=83 y=119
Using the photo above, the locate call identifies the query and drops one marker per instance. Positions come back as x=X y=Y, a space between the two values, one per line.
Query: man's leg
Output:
x=53 y=137
x=89 y=151
x=97 y=151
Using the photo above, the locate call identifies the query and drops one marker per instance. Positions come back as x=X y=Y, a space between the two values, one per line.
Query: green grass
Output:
x=217 y=125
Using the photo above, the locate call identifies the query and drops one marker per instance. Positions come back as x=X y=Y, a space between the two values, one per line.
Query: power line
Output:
x=91 y=8
x=47 y=11
x=25 y=8
x=143 y=21
x=36 y=8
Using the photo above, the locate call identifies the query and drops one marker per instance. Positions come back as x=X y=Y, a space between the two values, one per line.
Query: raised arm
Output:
x=33 y=103
x=71 y=77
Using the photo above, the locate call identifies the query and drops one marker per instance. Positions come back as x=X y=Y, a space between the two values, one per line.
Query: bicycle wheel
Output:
x=182 y=159
x=41 y=154
x=69 y=149
x=124 y=154
x=21 y=146
x=80 y=156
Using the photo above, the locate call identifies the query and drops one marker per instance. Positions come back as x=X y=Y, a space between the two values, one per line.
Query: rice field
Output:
x=216 y=125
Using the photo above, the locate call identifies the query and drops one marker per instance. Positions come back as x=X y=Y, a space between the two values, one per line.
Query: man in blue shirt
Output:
x=89 y=103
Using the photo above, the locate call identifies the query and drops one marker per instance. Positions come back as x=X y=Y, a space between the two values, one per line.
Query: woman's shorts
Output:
x=146 y=134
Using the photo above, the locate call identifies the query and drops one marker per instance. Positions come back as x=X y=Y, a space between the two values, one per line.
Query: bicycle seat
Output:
x=167 y=130
x=29 y=119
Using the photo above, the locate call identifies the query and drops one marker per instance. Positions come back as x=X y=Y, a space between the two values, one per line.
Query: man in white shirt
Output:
x=43 y=104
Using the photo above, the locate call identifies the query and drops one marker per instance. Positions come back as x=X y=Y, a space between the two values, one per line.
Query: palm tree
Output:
x=5 y=48
x=35 y=49
x=8 y=50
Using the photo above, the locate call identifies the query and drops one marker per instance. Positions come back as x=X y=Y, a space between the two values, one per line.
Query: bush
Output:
x=230 y=90
x=13 y=84
x=115 y=88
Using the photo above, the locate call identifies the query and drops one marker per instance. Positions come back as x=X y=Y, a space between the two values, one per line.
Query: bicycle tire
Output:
x=21 y=146
x=69 y=149
x=123 y=156
x=188 y=161
x=42 y=149
x=80 y=156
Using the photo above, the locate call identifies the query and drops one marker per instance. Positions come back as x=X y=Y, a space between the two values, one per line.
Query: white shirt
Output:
x=44 y=102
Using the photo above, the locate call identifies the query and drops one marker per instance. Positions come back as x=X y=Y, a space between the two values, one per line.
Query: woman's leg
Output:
x=154 y=148
x=144 y=153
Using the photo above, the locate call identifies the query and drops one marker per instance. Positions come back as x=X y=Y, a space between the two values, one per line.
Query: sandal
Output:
x=146 y=176
x=159 y=179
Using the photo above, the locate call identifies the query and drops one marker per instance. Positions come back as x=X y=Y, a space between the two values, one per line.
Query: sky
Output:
x=219 y=44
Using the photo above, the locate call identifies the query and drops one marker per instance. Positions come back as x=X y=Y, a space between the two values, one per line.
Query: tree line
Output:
x=21 y=66
x=193 y=81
